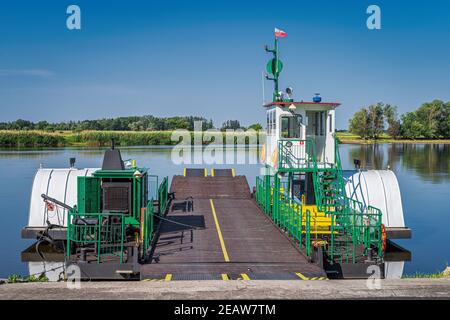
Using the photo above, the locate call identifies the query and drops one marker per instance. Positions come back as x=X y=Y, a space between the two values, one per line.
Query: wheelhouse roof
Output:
x=304 y=104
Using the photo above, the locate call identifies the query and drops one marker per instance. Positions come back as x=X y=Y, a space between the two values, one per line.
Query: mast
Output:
x=274 y=67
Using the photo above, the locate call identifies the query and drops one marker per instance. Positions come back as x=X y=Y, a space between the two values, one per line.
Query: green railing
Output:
x=289 y=216
x=163 y=195
x=148 y=226
x=294 y=154
x=355 y=231
x=263 y=196
x=100 y=234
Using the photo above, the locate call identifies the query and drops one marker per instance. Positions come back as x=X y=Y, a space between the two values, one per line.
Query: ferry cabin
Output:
x=293 y=123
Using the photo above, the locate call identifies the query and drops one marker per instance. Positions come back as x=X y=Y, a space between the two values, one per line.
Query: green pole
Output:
x=276 y=67
x=276 y=197
x=267 y=192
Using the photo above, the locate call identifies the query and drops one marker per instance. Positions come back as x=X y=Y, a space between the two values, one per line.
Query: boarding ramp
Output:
x=222 y=235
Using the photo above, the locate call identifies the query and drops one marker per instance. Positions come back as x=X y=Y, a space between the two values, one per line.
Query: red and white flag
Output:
x=280 y=33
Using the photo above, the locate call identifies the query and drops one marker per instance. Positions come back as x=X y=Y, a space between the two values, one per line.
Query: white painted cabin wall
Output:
x=325 y=145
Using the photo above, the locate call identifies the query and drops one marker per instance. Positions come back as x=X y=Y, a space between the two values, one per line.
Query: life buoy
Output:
x=263 y=153
x=383 y=238
x=275 y=158
x=50 y=206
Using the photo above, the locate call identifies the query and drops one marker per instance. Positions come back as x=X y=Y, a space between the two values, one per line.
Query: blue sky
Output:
x=169 y=58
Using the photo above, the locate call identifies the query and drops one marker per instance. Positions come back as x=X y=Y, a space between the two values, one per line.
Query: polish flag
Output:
x=280 y=33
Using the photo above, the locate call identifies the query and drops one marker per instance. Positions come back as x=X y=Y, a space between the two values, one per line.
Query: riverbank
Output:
x=42 y=139
x=224 y=290
x=39 y=139
x=349 y=138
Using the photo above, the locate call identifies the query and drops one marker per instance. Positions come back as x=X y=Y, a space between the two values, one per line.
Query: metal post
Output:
x=276 y=69
x=276 y=198
x=308 y=234
x=267 y=193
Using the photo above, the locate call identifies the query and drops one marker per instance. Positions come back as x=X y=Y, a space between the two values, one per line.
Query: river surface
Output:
x=423 y=172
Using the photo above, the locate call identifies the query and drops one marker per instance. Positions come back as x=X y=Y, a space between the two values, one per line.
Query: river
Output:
x=423 y=172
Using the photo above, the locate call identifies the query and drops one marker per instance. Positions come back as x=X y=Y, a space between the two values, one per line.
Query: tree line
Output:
x=430 y=121
x=133 y=123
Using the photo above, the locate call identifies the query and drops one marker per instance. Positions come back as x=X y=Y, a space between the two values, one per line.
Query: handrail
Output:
x=104 y=232
x=163 y=195
x=351 y=224
x=148 y=226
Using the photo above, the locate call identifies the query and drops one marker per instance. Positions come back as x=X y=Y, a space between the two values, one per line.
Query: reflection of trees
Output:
x=26 y=154
x=371 y=156
x=430 y=161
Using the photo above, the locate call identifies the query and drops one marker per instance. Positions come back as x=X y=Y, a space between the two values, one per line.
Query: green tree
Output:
x=256 y=127
x=370 y=122
x=394 y=124
x=231 y=124
x=360 y=124
x=376 y=119
x=430 y=121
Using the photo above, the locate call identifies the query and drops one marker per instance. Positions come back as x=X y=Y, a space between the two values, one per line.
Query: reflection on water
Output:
x=430 y=161
x=423 y=172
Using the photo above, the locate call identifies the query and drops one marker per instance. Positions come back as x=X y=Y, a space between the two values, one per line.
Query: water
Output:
x=423 y=172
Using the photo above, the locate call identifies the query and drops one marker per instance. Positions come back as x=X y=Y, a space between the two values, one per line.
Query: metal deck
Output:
x=223 y=236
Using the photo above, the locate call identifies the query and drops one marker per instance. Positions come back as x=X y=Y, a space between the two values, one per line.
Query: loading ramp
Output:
x=215 y=230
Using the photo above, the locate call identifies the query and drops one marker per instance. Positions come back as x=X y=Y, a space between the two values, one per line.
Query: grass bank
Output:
x=349 y=138
x=36 y=139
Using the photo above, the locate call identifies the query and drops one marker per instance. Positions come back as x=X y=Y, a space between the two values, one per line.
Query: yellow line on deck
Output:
x=225 y=276
x=168 y=277
x=219 y=232
x=245 y=276
x=184 y=172
x=232 y=172
x=301 y=276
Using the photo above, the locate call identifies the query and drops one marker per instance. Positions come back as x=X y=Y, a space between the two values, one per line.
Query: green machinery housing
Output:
x=113 y=220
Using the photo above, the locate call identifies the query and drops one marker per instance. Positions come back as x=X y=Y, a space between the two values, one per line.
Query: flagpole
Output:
x=276 y=66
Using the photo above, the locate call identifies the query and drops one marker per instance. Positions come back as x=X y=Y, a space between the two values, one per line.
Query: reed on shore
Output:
x=38 y=139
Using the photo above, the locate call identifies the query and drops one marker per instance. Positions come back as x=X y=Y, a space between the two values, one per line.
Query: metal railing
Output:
x=147 y=226
x=354 y=230
x=96 y=234
x=293 y=154
x=289 y=217
x=163 y=195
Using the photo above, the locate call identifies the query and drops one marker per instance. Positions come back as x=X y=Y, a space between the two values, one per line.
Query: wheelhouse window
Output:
x=291 y=126
x=271 y=125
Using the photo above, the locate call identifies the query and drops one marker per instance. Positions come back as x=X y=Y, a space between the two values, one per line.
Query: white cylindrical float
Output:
x=60 y=184
x=380 y=189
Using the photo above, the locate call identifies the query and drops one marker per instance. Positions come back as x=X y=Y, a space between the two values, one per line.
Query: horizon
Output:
x=139 y=58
